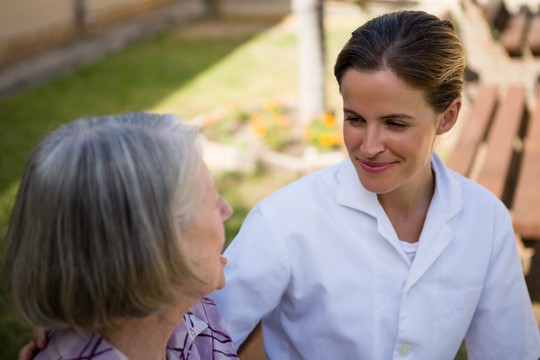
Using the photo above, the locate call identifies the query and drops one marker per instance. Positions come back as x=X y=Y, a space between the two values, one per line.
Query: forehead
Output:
x=208 y=180
x=381 y=88
x=206 y=184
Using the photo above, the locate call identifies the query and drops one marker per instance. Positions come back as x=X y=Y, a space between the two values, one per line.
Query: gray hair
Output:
x=95 y=233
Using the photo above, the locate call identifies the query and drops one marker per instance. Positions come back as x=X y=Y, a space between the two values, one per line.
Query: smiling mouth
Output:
x=375 y=167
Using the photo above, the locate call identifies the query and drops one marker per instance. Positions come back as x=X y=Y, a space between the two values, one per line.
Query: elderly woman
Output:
x=115 y=239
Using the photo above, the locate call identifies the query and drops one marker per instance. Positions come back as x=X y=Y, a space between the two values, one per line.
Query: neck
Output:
x=407 y=199
x=408 y=206
x=146 y=338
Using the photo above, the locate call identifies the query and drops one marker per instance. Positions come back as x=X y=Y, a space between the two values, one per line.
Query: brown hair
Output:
x=418 y=47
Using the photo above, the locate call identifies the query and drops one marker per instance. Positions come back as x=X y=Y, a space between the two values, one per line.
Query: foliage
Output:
x=272 y=126
x=236 y=124
x=222 y=124
x=323 y=133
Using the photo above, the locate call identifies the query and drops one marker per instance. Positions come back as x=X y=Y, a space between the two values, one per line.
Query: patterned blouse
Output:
x=202 y=335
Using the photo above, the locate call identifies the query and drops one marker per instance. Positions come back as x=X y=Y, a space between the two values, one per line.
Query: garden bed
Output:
x=267 y=138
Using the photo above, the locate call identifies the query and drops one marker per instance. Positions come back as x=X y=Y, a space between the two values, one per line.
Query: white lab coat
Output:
x=320 y=263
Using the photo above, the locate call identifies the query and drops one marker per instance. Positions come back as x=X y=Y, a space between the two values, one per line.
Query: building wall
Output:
x=29 y=26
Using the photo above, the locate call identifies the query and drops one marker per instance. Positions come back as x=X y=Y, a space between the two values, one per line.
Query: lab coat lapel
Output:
x=352 y=195
x=436 y=234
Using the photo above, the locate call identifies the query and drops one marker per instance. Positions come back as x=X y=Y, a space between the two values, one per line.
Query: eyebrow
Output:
x=389 y=116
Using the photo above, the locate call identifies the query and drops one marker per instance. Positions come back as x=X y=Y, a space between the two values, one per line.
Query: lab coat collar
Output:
x=436 y=234
x=352 y=194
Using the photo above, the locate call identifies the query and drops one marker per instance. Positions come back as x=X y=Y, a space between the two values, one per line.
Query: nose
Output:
x=372 y=143
x=226 y=209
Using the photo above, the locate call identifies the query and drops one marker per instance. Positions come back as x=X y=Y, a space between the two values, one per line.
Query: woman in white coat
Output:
x=388 y=254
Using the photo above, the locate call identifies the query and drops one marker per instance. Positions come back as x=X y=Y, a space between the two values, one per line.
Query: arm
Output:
x=257 y=275
x=504 y=326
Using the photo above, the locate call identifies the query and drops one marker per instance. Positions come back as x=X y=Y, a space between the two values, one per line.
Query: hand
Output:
x=38 y=342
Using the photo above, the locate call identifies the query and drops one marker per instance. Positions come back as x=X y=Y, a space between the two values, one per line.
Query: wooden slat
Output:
x=501 y=141
x=496 y=14
x=526 y=205
x=533 y=38
x=253 y=347
x=514 y=34
x=474 y=130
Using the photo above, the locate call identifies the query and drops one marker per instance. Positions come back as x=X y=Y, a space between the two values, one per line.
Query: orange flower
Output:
x=329 y=139
x=257 y=126
x=328 y=119
x=271 y=106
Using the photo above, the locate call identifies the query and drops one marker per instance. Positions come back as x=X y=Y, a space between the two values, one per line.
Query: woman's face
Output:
x=389 y=130
x=204 y=237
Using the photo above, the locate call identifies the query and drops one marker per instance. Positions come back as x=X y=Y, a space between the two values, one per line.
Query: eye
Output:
x=398 y=125
x=354 y=120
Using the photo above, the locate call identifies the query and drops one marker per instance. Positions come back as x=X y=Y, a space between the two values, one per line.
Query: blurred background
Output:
x=255 y=75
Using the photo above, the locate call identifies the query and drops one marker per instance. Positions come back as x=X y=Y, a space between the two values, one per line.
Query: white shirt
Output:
x=320 y=263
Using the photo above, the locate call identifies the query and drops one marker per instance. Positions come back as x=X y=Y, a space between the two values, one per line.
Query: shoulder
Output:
x=202 y=334
x=311 y=186
x=68 y=344
x=477 y=196
x=479 y=207
x=206 y=312
x=471 y=193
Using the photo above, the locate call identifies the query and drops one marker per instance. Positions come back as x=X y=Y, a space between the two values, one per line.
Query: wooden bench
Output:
x=499 y=147
x=253 y=347
x=496 y=14
x=516 y=31
x=533 y=38
x=526 y=205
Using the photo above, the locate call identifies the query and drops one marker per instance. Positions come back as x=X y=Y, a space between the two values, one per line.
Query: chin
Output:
x=375 y=188
x=222 y=283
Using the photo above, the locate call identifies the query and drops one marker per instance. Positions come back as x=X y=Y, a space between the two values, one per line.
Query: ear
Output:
x=449 y=116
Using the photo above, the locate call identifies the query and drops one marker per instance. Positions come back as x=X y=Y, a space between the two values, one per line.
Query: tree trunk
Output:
x=311 y=55
x=83 y=18
x=212 y=8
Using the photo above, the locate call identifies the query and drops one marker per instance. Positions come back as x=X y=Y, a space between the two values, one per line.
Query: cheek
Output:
x=351 y=137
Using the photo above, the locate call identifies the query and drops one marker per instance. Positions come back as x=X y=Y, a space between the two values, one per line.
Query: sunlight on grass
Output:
x=253 y=72
x=258 y=70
